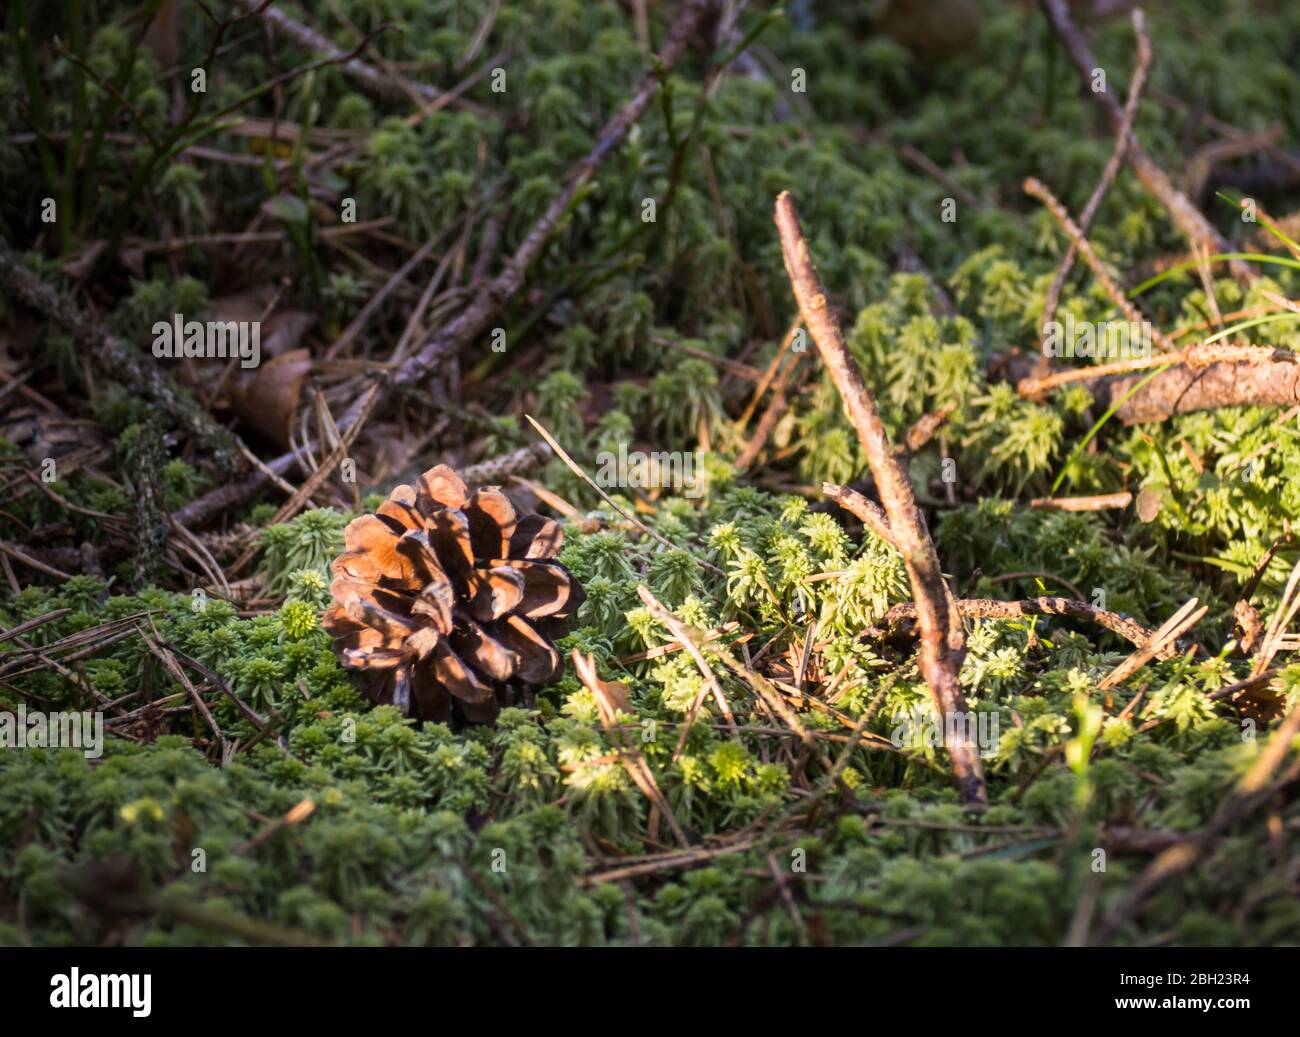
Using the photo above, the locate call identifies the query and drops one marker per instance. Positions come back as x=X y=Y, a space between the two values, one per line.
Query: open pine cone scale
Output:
x=445 y=596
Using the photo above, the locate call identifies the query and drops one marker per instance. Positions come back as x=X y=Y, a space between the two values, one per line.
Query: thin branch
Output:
x=1101 y=502
x=383 y=83
x=117 y=360
x=1140 y=73
x=940 y=658
x=1189 y=219
x=1163 y=640
x=1039 y=190
x=491 y=296
x=991 y=608
x=868 y=512
x=688 y=637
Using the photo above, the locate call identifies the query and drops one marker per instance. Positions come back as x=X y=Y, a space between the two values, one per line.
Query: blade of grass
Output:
x=1218 y=257
x=1269 y=225
x=1110 y=413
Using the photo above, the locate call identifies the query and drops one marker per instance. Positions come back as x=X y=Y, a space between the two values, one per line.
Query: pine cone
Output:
x=447 y=597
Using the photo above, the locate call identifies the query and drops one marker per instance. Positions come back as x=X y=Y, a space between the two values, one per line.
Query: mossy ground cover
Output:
x=652 y=335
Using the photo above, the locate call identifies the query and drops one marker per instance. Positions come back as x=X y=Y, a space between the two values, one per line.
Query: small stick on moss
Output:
x=1101 y=502
x=1189 y=219
x=940 y=659
x=1163 y=640
x=925 y=428
x=32 y=624
x=1037 y=189
x=868 y=512
x=1122 y=136
x=991 y=608
x=682 y=633
x=576 y=469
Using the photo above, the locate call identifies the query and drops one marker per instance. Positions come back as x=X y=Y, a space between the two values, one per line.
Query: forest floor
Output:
x=681 y=473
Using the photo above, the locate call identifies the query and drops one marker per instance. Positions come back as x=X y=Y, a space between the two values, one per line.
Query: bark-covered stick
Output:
x=119 y=361
x=1039 y=190
x=1190 y=220
x=1122 y=135
x=940 y=661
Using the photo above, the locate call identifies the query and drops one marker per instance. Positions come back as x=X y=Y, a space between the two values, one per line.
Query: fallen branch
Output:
x=1190 y=220
x=1140 y=72
x=383 y=82
x=991 y=608
x=941 y=638
x=118 y=360
x=1037 y=189
x=491 y=296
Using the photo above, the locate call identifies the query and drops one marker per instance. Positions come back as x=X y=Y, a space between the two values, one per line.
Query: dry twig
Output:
x=991 y=608
x=1140 y=72
x=1039 y=190
x=940 y=658
x=1189 y=219
x=491 y=296
x=1162 y=641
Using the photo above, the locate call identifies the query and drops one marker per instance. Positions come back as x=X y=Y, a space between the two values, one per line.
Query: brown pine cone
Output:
x=447 y=597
